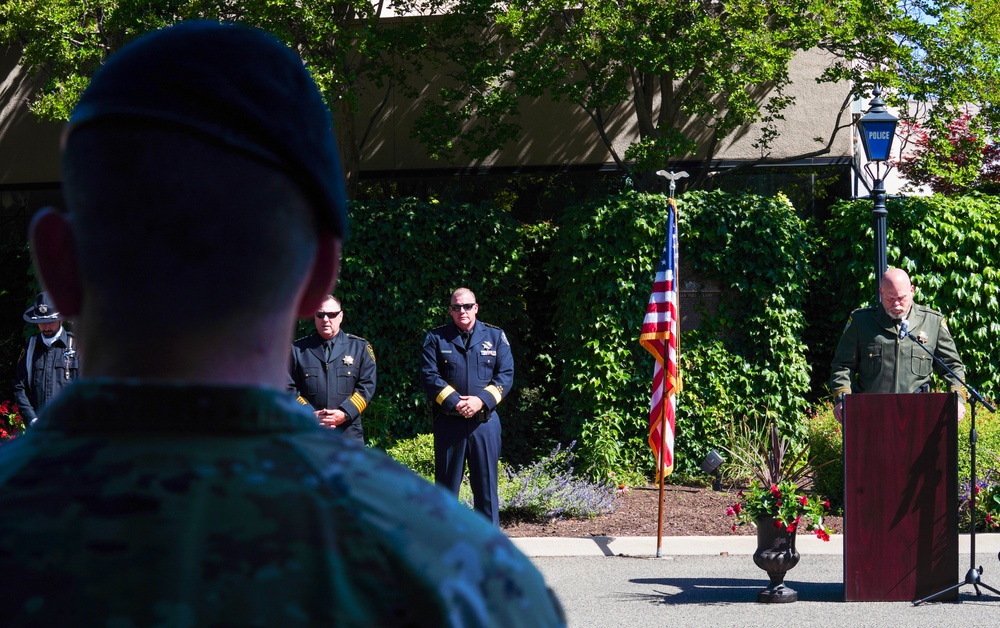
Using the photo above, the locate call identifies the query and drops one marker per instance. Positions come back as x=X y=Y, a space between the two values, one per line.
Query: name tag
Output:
x=488 y=353
x=445 y=350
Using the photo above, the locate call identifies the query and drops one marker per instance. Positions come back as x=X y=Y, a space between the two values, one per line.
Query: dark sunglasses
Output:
x=458 y=307
x=328 y=314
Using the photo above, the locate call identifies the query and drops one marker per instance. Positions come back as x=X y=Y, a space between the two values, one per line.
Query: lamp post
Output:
x=877 y=128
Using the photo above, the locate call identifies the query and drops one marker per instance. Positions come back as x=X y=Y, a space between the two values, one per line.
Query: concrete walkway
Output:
x=699 y=581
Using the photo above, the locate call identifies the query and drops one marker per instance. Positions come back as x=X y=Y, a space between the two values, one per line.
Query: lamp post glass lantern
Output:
x=878 y=128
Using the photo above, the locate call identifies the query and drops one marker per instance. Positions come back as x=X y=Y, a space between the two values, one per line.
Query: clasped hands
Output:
x=469 y=406
x=331 y=418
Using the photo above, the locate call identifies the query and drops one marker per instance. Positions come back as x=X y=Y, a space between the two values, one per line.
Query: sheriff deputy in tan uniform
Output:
x=872 y=358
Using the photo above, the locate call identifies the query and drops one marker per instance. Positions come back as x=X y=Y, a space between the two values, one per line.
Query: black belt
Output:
x=482 y=416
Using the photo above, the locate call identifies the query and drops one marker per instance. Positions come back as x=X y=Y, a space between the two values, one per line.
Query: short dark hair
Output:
x=182 y=226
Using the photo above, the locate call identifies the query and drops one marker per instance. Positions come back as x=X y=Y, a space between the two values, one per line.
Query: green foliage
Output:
x=417 y=454
x=393 y=299
x=783 y=501
x=826 y=448
x=755 y=248
x=987 y=445
x=949 y=247
x=940 y=53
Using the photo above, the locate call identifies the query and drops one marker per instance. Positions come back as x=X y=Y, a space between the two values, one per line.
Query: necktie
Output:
x=465 y=338
x=327 y=350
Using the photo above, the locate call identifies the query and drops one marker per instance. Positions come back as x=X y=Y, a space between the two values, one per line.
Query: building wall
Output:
x=561 y=133
x=554 y=133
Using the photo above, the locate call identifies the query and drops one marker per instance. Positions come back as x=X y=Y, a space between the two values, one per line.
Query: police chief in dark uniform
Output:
x=872 y=358
x=48 y=363
x=334 y=372
x=467 y=370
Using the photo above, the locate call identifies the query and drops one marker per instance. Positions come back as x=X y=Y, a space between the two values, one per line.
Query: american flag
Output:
x=659 y=335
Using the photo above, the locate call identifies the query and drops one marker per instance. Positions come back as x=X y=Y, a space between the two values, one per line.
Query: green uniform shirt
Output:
x=871 y=357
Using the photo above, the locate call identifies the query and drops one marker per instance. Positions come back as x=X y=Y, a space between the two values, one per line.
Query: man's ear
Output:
x=322 y=278
x=54 y=252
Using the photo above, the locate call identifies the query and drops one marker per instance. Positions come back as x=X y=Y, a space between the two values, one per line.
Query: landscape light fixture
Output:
x=711 y=465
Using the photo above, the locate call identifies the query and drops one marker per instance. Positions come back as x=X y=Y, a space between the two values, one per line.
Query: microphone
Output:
x=904 y=328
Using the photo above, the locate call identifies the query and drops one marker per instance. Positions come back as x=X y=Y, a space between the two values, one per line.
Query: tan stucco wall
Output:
x=559 y=133
x=554 y=133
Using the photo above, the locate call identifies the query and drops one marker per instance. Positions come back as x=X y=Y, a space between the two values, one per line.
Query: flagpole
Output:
x=660 y=466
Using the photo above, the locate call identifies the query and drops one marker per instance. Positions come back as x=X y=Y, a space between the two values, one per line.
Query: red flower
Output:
x=778 y=524
x=739 y=493
x=3 y=407
x=803 y=500
x=978 y=489
x=775 y=490
x=822 y=535
x=738 y=508
x=730 y=512
x=826 y=504
x=734 y=527
x=790 y=528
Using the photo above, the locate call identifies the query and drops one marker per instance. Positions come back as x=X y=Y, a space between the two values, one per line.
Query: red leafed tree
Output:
x=950 y=155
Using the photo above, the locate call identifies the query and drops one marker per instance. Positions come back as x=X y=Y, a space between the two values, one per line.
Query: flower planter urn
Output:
x=775 y=554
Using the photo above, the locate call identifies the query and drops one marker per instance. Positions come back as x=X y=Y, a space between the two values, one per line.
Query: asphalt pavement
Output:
x=712 y=581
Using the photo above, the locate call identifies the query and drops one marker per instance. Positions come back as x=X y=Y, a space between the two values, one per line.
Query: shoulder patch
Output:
x=371 y=352
x=489 y=325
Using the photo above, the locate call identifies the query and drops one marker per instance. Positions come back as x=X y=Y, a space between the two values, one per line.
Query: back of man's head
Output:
x=200 y=170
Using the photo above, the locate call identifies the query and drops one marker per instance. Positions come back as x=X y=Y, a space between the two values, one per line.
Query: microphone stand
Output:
x=973 y=575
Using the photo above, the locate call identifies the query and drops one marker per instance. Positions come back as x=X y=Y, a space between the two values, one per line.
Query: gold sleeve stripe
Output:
x=846 y=391
x=359 y=402
x=446 y=392
x=493 y=390
x=302 y=400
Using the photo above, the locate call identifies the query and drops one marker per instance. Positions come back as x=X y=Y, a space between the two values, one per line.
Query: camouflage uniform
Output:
x=138 y=504
x=871 y=357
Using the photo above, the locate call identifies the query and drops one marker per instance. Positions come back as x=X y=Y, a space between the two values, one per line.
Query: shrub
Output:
x=548 y=489
x=747 y=354
x=987 y=470
x=416 y=453
x=826 y=447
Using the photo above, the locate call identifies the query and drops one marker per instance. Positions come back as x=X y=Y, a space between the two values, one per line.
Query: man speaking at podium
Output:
x=876 y=356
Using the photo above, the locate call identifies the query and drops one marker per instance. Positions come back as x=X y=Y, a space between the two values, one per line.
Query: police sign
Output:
x=877 y=127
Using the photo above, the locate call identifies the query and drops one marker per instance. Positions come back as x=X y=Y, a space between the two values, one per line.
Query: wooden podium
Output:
x=900 y=496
